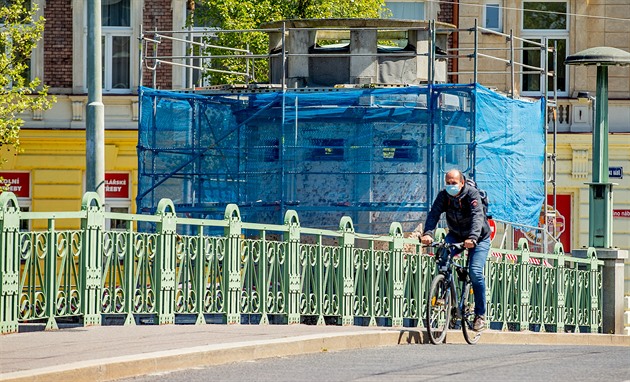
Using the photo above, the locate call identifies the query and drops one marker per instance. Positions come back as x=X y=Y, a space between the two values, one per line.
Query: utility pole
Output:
x=95 y=113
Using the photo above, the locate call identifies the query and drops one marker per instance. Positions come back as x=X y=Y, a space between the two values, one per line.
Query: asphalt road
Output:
x=424 y=363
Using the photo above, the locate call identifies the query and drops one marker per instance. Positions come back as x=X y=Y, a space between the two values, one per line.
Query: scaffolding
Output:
x=372 y=151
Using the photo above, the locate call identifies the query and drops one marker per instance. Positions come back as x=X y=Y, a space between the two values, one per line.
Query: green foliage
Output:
x=250 y=14
x=19 y=33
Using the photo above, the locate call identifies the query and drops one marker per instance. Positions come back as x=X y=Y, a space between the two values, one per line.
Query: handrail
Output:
x=238 y=271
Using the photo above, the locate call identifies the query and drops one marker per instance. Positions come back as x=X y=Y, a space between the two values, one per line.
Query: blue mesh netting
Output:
x=510 y=140
x=376 y=155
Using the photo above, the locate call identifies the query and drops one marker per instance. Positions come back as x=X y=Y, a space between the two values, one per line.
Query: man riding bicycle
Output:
x=467 y=222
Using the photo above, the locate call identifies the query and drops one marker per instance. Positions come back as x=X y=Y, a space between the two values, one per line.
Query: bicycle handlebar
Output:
x=443 y=244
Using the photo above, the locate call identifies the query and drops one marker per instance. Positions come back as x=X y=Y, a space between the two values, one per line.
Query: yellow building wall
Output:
x=572 y=174
x=56 y=161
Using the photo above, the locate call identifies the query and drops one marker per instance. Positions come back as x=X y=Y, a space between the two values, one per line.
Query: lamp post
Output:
x=95 y=110
x=600 y=189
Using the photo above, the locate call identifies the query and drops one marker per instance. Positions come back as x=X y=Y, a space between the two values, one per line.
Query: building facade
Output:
x=49 y=175
x=570 y=26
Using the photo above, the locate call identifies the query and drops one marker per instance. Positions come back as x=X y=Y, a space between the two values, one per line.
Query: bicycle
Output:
x=444 y=308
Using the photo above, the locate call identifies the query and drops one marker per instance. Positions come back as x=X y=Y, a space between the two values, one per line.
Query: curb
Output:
x=164 y=361
x=108 y=369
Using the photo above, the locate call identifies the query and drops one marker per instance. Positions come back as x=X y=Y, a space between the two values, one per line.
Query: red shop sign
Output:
x=117 y=185
x=621 y=213
x=19 y=183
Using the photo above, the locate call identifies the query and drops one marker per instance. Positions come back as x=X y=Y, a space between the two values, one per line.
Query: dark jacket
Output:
x=464 y=215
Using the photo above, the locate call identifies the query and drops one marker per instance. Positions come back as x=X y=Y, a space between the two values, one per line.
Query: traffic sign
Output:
x=493 y=229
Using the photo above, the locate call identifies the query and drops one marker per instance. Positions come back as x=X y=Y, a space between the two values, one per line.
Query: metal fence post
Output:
x=199 y=285
x=346 y=275
x=525 y=306
x=50 y=273
x=561 y=288
x=9 y=262
x=595 y=291
x=129 y=264
x=232 y=265
x=164 y=267
x=91 y=261
x=397 y=280
x=292 y=273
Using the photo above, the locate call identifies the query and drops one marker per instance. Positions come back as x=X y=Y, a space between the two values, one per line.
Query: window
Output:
x=118 y=224
x=544 y=19
x=271 y=150
x=411 y=10
x=493 y=16
x=326 y=150
x=400 y=150
x=533 y=57
x=457 y=153
x=116 y=45
x=544 y=15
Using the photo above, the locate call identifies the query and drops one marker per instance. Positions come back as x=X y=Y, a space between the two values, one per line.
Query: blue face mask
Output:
x=452 y=189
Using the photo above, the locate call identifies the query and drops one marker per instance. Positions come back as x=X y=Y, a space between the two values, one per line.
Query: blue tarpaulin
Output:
x=376 y=155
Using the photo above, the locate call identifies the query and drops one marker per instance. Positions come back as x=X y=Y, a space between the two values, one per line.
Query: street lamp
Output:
x=600 y=195
x=600 y=199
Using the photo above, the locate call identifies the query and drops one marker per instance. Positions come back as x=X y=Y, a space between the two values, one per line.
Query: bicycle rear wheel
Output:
x=438 y=309
x=468 y=315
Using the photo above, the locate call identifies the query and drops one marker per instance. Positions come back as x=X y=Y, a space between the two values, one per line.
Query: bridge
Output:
x=105 y=353
x=339 y=289
x=231 y=271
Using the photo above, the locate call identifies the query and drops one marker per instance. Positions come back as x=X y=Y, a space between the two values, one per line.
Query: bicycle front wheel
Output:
x=438 y=309
x=468 y=315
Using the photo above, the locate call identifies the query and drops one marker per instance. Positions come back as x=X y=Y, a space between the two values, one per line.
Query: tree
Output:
x=19 y=34
x=250 y=14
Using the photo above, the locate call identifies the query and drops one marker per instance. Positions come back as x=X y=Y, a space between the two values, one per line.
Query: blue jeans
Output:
x=476 y=263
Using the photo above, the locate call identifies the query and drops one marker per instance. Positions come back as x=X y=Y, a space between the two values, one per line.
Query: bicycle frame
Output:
x=462 y=275
x=446 y=305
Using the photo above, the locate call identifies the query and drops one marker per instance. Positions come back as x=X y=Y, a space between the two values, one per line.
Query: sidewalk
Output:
x=104 y=353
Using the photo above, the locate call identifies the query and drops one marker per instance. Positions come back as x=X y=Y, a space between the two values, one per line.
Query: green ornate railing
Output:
x=229 y=270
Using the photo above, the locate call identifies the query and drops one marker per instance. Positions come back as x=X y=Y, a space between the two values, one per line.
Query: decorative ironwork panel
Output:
x=332 y=290
x=33 y=250
x=144 y=293
x=363 y=286
x=274 y=263
x=310 y=281
x=382 y=293
x=114 y=292
x=213 y=256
